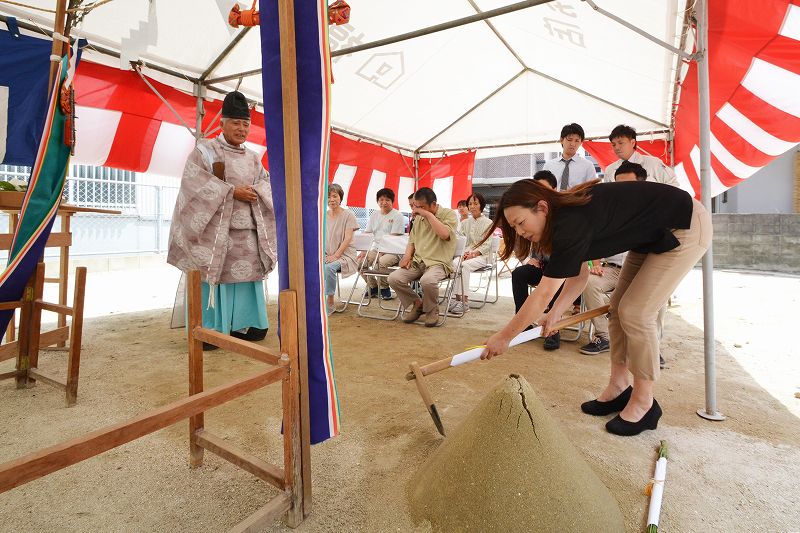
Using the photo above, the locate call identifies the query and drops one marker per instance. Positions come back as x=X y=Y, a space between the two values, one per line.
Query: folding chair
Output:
x=389 y=244
x=506 y=267
x=490 y=272
x=363 y=242
x=449 y=281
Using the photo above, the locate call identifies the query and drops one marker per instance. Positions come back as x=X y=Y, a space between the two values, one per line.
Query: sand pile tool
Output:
x=418 y=372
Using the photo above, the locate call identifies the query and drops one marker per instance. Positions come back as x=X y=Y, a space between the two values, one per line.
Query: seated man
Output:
x=623 y=142
x=386 y=221
x=428 y=258
x=603 y=276
x=530 y=273
x=629 y=171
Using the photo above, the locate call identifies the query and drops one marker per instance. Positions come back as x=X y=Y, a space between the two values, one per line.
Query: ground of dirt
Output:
x=736 y=475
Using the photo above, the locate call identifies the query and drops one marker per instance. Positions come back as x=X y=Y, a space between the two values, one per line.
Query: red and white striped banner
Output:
x=754 y=70
x=363 y=168
x=122 y=124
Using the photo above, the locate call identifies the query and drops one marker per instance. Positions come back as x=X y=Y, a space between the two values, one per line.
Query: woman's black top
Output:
x=635 y=215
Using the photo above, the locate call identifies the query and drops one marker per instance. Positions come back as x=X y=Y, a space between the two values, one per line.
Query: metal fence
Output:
x=146 y=211
x=142 y=227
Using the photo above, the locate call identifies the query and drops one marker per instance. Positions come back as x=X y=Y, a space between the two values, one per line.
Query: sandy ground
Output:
x=736 y=475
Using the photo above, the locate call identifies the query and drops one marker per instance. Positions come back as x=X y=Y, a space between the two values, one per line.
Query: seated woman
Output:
x=476 y=251
x=340 y=254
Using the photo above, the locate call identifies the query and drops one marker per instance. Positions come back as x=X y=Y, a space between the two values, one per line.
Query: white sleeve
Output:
x=399 y=224
x=371 y=223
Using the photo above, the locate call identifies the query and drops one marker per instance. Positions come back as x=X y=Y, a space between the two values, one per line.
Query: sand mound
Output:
x=508 y=467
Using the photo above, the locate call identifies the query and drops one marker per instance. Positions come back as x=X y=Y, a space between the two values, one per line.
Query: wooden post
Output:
x=194 y=319
x=292 y=443
x=36 y=317
x=13 y=219
x=75 y=337
x=57 y=49
x=25 y=316
x=63 y=272
x=294 y=225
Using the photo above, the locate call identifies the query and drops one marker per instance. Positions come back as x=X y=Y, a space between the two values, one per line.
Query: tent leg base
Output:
x=717 y=416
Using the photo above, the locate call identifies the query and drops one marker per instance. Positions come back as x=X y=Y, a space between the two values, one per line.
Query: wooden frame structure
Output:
x=10 y=203
x=284 y=369
x=31 y=339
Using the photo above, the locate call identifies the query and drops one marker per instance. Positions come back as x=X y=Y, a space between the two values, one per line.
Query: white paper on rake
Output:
x=475 y=353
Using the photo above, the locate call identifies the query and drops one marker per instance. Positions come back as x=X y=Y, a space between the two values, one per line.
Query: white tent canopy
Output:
x=509 y=80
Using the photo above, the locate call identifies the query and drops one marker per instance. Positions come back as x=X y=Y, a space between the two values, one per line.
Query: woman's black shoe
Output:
x=619 y=426
x=598 y=408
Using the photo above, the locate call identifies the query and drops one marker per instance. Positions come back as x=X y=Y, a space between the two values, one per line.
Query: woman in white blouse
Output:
x=475 y=256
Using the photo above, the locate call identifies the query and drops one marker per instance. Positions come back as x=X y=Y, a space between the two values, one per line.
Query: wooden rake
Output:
x=418 y=372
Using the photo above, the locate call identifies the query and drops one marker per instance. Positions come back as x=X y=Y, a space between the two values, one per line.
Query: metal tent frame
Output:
x=204 y=82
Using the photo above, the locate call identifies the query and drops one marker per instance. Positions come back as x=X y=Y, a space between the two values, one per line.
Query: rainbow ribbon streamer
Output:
x=313 y=88
x=40 y=204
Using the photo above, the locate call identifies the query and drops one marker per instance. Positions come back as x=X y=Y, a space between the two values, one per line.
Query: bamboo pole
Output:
x=294 y=226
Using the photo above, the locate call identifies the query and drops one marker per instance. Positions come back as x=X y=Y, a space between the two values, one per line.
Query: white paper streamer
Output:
x=475 y=353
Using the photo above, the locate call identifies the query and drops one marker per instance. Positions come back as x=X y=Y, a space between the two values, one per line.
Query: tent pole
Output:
x=58 y=46
x=641 y=32
x=199 y=112
x=710 y=411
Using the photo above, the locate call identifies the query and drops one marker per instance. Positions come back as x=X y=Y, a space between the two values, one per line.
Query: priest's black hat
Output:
x=235 y=106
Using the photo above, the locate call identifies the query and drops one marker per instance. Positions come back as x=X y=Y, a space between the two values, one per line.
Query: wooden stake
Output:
x=25 y=316
x=36 y=317
x=63 y=272
x=294 y=223
x=292 y=443
x=195 y=320
x=76 y=337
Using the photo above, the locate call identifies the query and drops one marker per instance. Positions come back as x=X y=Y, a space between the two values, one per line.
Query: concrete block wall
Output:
x=757 y=242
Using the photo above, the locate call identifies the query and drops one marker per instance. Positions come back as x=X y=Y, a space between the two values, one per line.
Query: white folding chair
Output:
x=363 y=242
x=450 y=281
x=389 y=244
x=488 y=273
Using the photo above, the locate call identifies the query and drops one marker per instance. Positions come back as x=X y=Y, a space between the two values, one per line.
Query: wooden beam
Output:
x=35 y=373
x=57 y=48
x=265 y=516
x=55 y=308
x=5 y=306
x=294 y=222
x=76 y=337
x=232 y=344
x=247 y=462
x=292 y=453
x=8 y=375
x=56 y=240
x=33 y=466
x=194 y=321
x=9 y=349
